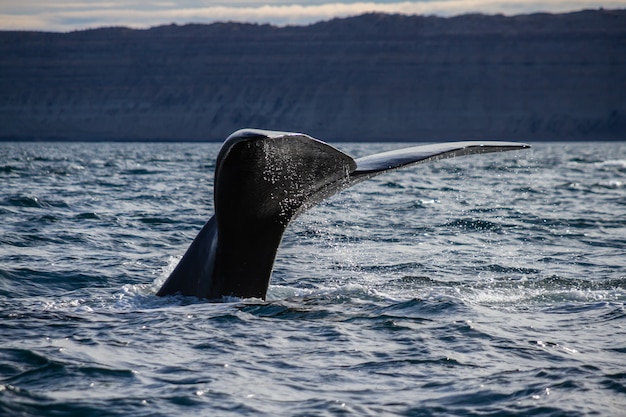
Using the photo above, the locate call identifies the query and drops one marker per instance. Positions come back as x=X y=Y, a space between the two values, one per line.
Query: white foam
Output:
x=613 y=163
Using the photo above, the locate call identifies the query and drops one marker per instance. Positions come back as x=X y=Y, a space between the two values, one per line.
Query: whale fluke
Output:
x=263 y=180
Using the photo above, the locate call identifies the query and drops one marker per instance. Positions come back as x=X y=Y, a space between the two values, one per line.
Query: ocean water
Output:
x=482 y=285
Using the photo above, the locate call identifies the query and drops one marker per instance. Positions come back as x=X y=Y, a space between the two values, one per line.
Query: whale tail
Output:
x=263 y=180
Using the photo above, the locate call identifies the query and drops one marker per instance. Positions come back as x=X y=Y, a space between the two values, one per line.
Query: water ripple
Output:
x=492 y=285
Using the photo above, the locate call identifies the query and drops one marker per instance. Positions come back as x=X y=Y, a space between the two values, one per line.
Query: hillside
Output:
x=371 y=77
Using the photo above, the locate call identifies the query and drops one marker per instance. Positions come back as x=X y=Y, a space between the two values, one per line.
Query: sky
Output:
x=68 y=15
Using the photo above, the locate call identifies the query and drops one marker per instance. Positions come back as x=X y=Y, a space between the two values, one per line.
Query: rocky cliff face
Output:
x=372 y=77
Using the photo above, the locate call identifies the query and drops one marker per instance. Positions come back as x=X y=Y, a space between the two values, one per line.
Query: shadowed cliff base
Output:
x=370 y=77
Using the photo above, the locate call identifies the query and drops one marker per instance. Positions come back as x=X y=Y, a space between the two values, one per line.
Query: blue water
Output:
x=482 y=285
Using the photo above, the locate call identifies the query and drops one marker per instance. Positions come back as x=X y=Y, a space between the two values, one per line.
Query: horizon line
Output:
x=76 y=18
x=313 y=23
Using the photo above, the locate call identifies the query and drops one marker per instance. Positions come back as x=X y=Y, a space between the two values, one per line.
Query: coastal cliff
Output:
x=370 y=77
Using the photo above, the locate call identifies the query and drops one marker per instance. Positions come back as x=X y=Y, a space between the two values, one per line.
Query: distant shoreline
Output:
x=369 y=78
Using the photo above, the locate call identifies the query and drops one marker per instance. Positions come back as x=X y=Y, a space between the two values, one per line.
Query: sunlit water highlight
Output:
x=484 y=285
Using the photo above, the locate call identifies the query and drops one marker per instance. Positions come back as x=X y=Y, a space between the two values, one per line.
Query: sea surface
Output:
x=482 y=285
